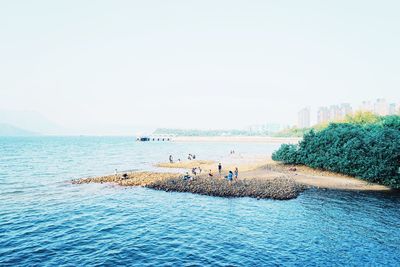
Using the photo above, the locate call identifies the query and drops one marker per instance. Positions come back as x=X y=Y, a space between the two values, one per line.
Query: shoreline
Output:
x=259 y=177
x=280 y=188
x=265 y=168
x=243 y=139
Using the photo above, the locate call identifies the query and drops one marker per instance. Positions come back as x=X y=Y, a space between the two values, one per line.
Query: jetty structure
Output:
x=156 y=138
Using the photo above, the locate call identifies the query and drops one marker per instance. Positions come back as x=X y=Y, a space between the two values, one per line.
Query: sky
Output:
x=99 y=66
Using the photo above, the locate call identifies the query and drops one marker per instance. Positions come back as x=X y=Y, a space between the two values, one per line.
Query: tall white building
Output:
x=323 y=115
x=392 y=109
x=333 y=113
x=345 y=109
x=303 y=118
x=367 y=106
x=381 y=107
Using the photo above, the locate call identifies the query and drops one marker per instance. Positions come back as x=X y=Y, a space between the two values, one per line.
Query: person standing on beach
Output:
x=236 y=173
x=230 y=176
x=219 y=169
x=171 y=159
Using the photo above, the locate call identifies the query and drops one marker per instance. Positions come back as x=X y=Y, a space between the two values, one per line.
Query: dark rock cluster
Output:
x=278 y=188
x=281 y=187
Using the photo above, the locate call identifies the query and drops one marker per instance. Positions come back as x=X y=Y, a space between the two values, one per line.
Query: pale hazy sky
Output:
x=204 y=64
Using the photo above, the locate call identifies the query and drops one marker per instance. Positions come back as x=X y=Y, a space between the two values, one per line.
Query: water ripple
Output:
x=44 y=220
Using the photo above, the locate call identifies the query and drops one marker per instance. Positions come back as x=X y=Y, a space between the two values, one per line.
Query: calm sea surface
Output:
x=46 y=221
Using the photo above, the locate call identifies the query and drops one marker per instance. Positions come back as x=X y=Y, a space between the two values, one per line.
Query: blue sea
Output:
x=47 y=221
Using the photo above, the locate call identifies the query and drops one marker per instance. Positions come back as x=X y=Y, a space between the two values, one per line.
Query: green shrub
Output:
x=392 y=121
x=370 y=151
x=287 y=153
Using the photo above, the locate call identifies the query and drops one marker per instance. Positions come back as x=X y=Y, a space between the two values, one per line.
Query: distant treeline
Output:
x=364 y=146
x=196 y=132
x=292 y=132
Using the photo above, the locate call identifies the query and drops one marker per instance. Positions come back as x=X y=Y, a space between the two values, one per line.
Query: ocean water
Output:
x=47 y=221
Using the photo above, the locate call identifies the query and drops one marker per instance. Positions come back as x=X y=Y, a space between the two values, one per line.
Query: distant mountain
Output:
x=31 y=121
x=10 y=130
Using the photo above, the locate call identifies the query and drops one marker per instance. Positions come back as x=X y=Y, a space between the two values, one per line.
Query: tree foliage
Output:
x=369 y=150
x=362 y=117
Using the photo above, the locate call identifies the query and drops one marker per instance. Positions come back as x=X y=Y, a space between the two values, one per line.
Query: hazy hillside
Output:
x=10 y=130
x=31 y=121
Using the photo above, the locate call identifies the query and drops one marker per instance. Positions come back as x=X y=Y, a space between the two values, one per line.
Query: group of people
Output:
x=171 y=159
x=231 y=174
x=190 y=157
x=196 y=170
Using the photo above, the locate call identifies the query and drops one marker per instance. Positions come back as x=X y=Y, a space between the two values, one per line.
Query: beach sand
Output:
x=258 y=167
x=235 y=139
x=314 y=178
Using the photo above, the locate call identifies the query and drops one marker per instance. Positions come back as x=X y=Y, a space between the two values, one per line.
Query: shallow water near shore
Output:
x=45 y=220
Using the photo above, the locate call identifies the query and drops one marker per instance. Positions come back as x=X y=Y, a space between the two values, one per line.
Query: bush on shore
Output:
x=369 y=150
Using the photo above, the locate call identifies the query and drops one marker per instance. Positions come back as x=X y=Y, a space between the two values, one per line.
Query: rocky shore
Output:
x=282 y=187
x=258 y=178
x=129 y=179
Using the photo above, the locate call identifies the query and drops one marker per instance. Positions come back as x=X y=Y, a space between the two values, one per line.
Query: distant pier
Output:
x=155 y=138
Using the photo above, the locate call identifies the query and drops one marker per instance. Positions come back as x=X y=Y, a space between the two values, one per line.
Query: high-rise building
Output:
x=335 y=113
x=367 y=106
x=345 y=109
x=392 y=109
x=323 y=115
x=381 y=107
x=304 y=118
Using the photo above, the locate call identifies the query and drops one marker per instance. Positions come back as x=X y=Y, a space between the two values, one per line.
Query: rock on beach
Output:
x=281 y=187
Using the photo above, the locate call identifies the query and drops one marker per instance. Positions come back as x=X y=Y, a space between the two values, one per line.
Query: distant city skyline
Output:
x=337 y=112
x=333 y=113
